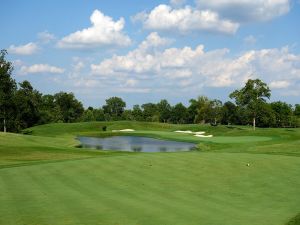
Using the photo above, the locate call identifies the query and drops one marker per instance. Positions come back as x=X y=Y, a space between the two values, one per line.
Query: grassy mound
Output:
x=295 y=220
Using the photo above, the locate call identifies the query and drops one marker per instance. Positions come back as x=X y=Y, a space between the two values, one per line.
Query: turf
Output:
x=44 y=179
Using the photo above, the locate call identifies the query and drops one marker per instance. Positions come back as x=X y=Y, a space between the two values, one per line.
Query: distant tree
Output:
x=88 y=115
x=265 y=116
x=150 y=112
x=297 y=110
x=137 y=113
x=99 y=114
x=192 y=111
x=164 y=110
x=251 y=97
x=216 y=110
x=28 y=103
x=69 y=107
x=229 y=113
x=7 y=90
x=283 y=113
x=127 y=114
x=203 y=109
x=179 y=113
x=114 y=107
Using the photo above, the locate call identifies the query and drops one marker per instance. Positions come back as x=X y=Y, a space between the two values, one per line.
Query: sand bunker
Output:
x=196 y=134
x=124 y=130
x=205 y=136
x=184 y=131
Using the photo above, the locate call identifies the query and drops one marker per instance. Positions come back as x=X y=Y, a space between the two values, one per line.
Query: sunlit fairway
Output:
x=237 y=177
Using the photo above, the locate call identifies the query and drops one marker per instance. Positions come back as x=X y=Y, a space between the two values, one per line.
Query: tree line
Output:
x=22 y=106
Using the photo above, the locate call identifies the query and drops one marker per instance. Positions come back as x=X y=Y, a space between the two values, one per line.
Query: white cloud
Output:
x=27 y=49
x=250 y=40
x=247 y=10
x=140 y=60
x=103 y=32
x=40 y=68
x=177 y=2
x=191 y=68
x=279 y=84
x=184 y=20
x=131 y=83
x=46 y=37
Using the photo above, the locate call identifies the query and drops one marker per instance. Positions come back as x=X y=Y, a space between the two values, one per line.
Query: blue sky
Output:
x=144 y=51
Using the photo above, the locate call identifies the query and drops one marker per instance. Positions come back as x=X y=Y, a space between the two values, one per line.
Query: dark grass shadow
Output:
x=294 y=221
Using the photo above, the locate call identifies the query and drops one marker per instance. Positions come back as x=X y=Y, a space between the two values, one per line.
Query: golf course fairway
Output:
x=237 y=177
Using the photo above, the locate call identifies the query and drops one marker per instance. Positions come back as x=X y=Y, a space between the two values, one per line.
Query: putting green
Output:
x=237 y=139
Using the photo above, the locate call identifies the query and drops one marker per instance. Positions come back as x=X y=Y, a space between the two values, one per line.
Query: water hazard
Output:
x=134 y=144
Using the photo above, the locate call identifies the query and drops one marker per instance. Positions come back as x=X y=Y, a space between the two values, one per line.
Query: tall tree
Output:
x=69 y=107
x=137 y=113
x=150 y=112
x=229 y=113
x=216 y=110
x=251 y=97
x=283 y=113
x=297 y=110
x=114 y=107
x=164 y=110
x=203 y=109
x=179 y=113
x=7 y=89
x=28 y=101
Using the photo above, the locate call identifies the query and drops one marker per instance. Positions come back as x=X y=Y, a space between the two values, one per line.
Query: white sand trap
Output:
x=184 y=131
x=201 y=135
x=200 y=132
x=124 y=130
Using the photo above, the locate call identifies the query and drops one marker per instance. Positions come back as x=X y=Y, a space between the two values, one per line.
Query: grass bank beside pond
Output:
x=44 y=179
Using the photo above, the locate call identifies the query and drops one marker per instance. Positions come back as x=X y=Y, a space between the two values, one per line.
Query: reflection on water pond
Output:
x=134 y=144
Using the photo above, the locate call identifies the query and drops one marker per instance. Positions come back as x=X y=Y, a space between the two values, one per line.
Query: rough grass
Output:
x=44 y=179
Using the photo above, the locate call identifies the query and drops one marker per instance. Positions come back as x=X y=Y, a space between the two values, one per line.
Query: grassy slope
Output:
x=45 y=180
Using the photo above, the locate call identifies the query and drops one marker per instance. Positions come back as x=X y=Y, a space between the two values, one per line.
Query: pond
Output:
x=134 y=144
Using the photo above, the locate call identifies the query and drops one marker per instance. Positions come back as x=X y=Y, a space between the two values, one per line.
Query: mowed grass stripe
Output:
x=100 y=189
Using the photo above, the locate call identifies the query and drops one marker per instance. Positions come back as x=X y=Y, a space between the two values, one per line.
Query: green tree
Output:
x=150 y=112
x=164 y=110
x=297 y=110
x=7 y=90
x=99 y=114
x=251 y=97
x=229 y=113
x=114 y=107
x=192 y=111
x=265 y=116
x=137 y=113
x=216 y=110
x=70 y=109
x=88 y=115
x=179 y=113
x=28 y=102
x=203 y=109
x=283 y=113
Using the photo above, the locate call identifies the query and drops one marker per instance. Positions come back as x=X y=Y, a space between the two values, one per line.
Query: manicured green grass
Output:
x=44 y=179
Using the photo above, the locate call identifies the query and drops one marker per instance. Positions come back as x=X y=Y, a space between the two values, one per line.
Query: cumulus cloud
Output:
x=177 y=2
x=194 y=67
x=40 y=68
x=45 y=37
x=103 y=32
x=279 y=84
x=247 y=10
x=250 y=40
x=27 y=49
x=185 y=20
